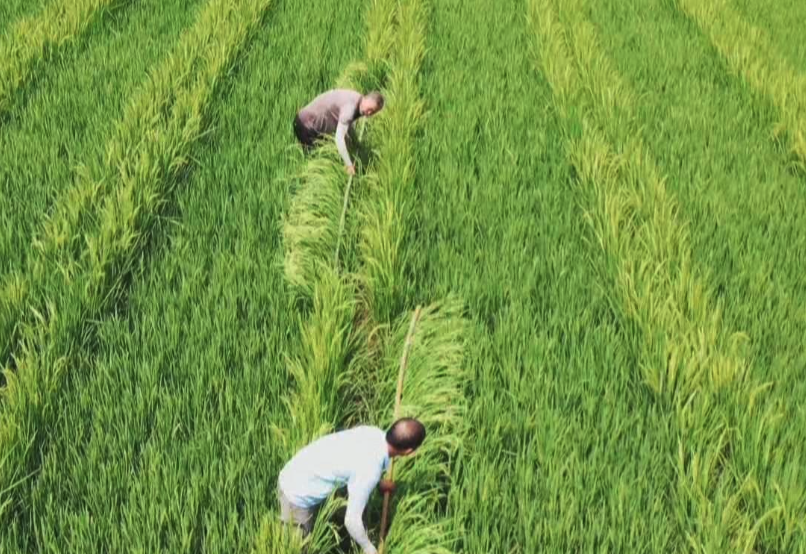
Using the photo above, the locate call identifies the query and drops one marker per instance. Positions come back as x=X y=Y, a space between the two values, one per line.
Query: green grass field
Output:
x=599 y=205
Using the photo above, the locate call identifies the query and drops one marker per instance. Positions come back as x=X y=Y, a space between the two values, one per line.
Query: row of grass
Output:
x=312 y=234
x=161 y=124
x=750 y=53
x=433 y=384
x=31 y=40
x=563 y=452
x=727 y=494
x=779 y=27
x=389 y=186
x=12 y=10
x=165 y=443
x=60 y=126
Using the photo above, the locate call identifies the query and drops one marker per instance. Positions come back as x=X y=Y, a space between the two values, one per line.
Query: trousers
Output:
x=301 y=517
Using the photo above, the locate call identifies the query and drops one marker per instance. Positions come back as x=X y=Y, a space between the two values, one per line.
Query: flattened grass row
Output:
x=160 y=126
x=726 y=494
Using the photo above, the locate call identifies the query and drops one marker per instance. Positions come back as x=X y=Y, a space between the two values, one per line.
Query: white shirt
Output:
x=356 y=457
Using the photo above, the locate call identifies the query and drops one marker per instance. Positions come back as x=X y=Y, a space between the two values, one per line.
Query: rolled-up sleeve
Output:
x=359 y=489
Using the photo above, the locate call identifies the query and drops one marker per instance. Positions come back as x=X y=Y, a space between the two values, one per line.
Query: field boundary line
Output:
x=687 y=359
x=749 y=53
x=160 y=126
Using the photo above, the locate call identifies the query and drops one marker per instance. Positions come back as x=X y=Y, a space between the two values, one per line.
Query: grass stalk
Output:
x=160 y=126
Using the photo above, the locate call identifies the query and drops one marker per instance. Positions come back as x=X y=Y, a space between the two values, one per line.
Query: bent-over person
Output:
x=356 y=458
x=335 y=111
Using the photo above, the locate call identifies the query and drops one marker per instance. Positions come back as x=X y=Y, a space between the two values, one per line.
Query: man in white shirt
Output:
x=356 y=457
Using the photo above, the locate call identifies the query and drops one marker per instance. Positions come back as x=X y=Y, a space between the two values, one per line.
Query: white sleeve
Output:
x=359 y=489
x=345 y=120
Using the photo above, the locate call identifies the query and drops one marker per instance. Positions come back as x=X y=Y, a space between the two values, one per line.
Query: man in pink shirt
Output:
x=335 y=111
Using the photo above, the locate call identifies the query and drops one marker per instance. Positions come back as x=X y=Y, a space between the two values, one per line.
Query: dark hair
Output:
x=406 y=433
x=376 y=97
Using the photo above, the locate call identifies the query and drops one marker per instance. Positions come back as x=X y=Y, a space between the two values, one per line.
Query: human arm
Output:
x=346 y=116
x=359 y=489
x=387 y=486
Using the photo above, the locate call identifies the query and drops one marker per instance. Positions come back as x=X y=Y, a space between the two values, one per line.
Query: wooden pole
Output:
x=346 y=198
x=404 y=360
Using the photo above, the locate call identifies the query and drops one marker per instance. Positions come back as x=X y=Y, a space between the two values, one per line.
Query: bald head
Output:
x=405 y=435
x=371 y=103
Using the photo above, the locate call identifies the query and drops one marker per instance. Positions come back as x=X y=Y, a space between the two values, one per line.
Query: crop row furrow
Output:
x=432 y=389
x=695 y=368
x=155 y=136
x=312 y=233
x=749 y=52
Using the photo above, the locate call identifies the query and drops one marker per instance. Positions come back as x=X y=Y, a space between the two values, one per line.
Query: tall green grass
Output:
x=165 y=434
x=31 y=40
x=59 y=124
x=563 y=451
x=11 y=10
x=779 y=27
x=725 y=495
x=749 y=53
x=386 y=213
x=163 y=121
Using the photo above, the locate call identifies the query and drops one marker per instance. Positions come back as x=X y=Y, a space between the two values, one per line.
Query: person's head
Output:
x=371 y=103
x=405 y=436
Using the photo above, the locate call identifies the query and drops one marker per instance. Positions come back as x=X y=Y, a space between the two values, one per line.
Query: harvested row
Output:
x=61 y=123
x=164 y=441
x=695 y=369
x=433 y=385
x=165 y=119
x=749 y=53
x=31 y=40
x=322 y=361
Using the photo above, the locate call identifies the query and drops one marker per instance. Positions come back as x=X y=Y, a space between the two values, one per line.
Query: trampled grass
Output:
x=593 y=219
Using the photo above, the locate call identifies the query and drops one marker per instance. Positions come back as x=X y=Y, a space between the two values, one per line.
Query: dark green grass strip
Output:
x=563 y=453
x=164 y=443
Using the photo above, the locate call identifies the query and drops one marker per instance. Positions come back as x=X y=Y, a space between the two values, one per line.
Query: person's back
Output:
x=332 y=461
x=355 y=457
x=334 y=111
x=324 y=112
